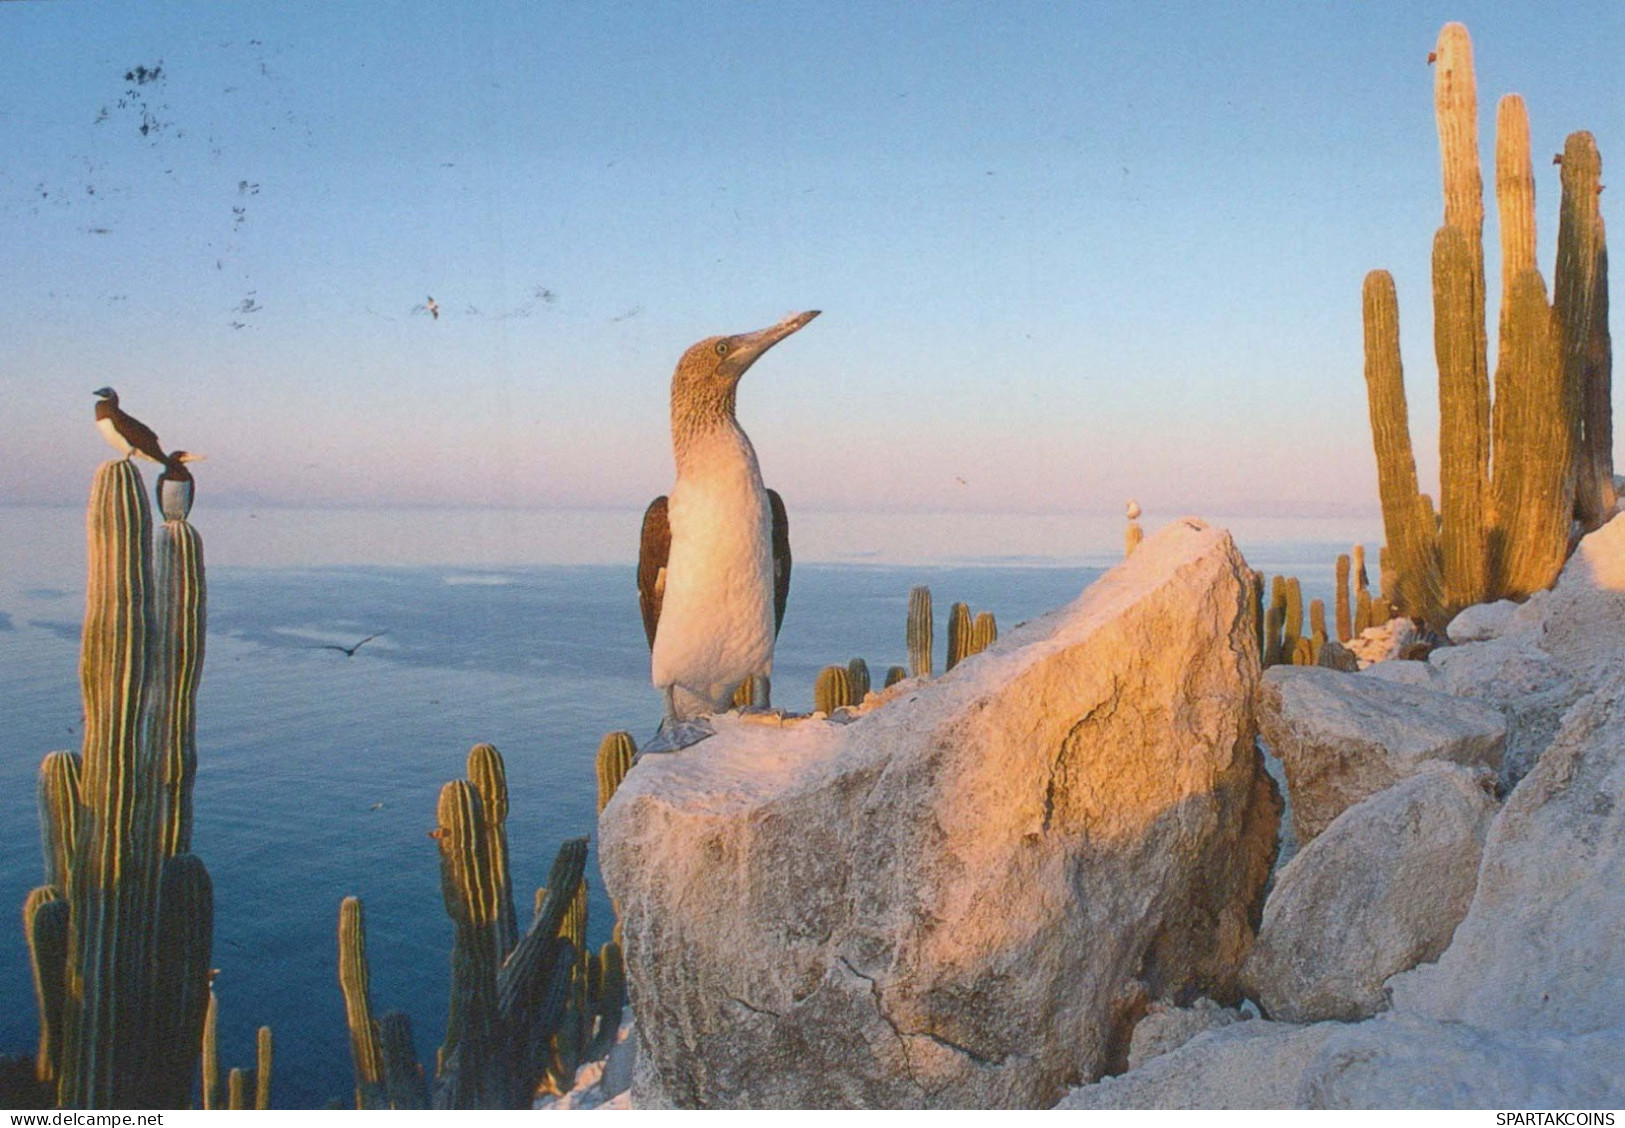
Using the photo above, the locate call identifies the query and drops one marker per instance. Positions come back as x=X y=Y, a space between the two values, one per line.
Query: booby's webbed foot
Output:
x=675 y=735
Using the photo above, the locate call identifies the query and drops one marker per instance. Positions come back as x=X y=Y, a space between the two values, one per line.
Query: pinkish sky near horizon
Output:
x=1066 y=254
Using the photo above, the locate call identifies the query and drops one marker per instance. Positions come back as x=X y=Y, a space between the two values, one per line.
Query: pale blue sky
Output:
x=1065 y=253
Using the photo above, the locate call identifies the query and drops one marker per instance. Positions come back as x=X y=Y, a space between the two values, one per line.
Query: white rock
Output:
x=1422 y=675
x=1166 y=1027
x=1343 y=737
x=1482 y=621
x=1402 y=1061
x=1377 y=892
x=1382 y=643
x=962 y=898
x=1244 y=1065
x=1543 y=945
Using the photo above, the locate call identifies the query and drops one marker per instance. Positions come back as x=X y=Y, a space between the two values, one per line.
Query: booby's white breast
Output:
x=110 y=433
x=716 y=618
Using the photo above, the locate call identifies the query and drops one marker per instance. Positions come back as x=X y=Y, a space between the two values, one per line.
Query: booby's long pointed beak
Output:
x=750 y=346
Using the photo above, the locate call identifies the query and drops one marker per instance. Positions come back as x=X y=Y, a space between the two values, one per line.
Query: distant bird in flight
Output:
x=714 y=563
x=175 y=488
x=123 y=432
x=349 y=651
x=434 y=308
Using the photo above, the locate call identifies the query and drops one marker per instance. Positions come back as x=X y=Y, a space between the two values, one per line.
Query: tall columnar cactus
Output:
x=490 y=778
x=1404 y=515
x=959 y=631
x=984 y=631
x=615 y=754
x=1487 y=454
x=833 y=689
x=506 y=1001
x=921 y=628
x=1292 y=624
x=181 y=607
x=895 y=674
x=122 y=932
x=857 y=672
x=1343 y=613
x=1531 y=494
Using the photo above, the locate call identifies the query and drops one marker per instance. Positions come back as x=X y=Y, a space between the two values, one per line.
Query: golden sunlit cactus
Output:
x=959 y=635
x=921 y=627
x=1344 y=613
x=833 y=690
x=615 y=753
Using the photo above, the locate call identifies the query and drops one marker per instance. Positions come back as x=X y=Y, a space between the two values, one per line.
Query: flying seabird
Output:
x=349 y=651
x=125 y=433
x=714 y=565
x=175 y=487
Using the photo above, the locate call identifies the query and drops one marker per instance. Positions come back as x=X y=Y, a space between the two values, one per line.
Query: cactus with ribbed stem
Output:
x=1533 y=498
x=185 y=945
x=615 y=754
x=833 y=689
x=1273 y=619
x=1344 y=613
x=45 y=926
x=210 y=1064
x=755 y=692
x=1364 y=616
x=609 y=995
x=181 y=607
x=959 y=635
x=857 y=672
x=490 y=778
x=895 y=674
x=1317 y=630
x=59 y=815
x=1292 y=624
x=505 y=1005
x=1471 y=552
x=1575 y=298
x=984 y=631
x=921 y=629
x=262 y=1068
x=1404 y=516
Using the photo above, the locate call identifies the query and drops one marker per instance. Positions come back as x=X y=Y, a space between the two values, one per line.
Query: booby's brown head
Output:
x=707 y=378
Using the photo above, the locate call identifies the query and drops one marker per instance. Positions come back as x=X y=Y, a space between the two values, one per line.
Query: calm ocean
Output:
x=318 y=772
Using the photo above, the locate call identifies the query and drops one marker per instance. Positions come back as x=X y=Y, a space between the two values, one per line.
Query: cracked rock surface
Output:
x=965 y=896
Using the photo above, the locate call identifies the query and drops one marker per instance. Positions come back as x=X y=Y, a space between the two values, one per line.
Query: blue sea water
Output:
x=318 y=772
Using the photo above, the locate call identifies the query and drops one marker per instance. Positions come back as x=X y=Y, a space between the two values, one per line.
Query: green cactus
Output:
x=353 y=981
x=615 y=754
x=178 y=666
x=45 y=925
x=1292 y=624
x=1531 y=490
x=1344 y=613
x=833 y=690
x=755 y=692
x=959 y=635
x=59 y=816
x=211 y=1054
x=262 y=1068
x=609 y=995
x=1471 y=551
x=857 y=672
x=984 y=632
x=237 y=1091
x=506 y=1006
x=1273 y=620
x=895 y=674
x=185 y=946
x=921 y=630
x=490 y=778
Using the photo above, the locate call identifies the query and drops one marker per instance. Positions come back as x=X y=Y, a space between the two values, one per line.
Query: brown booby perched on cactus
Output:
x=175 y=487
x=123 y=432
x=714 y=566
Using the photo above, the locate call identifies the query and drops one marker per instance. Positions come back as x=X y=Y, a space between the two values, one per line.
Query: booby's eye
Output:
x=722 y=348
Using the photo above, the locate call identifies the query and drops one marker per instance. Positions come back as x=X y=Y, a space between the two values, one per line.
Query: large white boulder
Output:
x=1344 y=737
x=1379 y=891
x=965 y=896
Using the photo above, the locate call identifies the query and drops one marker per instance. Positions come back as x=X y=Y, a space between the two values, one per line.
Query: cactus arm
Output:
x=489 y=776
x=984 y=631
x=857 y=673
x=45 y=926
x=404 y=1083
x=262 y=1068
x=181 y=997
x=59 y=808
x=181 y=609
x=1574 y=301
x=1464 y=424
x=354 y=978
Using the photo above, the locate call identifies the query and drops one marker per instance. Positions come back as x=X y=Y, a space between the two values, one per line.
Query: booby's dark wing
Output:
x=652 y=555
x=781 y=558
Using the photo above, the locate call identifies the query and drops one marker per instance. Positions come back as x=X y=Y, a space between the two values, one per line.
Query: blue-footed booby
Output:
x=125 y=433
x=175 y=487
x=714 y=566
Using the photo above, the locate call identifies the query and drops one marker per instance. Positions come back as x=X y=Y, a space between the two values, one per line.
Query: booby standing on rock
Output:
x=175 y=486
x=714 y=566
x=125 y=433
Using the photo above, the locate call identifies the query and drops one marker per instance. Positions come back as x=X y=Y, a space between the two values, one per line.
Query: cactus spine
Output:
x=921 y=628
